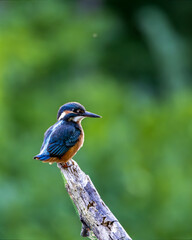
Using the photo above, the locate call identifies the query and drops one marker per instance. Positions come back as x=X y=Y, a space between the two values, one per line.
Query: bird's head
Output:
x=74 y=111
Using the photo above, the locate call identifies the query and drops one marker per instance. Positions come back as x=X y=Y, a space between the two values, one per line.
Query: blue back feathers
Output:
x=58 y=139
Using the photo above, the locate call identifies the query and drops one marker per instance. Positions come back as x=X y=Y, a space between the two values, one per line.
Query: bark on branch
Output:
x=94 y=214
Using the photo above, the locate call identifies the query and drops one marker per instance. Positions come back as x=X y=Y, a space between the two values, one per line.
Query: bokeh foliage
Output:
x=129 y=63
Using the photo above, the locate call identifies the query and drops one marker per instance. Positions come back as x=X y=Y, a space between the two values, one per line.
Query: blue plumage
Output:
x=70 y=106
x=66 y=134
x=58 y=139
x=42 y=157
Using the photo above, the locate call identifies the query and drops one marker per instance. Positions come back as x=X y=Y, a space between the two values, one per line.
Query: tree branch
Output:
x=94 y=214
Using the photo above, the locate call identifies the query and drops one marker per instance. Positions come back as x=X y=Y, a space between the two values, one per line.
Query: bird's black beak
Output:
x=89 y=114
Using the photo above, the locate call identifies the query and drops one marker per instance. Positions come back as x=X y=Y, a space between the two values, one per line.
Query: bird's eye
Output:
x=78 y=111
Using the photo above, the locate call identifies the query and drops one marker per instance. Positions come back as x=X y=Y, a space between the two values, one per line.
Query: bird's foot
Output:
x=66 y=164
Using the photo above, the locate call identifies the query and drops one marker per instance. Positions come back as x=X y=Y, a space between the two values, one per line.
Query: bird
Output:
x=63 y=139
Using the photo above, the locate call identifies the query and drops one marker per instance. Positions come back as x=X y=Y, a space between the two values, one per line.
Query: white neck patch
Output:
x=78 y=118
x=62 y=115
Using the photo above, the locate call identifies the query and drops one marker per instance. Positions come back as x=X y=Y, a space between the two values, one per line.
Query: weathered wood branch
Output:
x=94 y=214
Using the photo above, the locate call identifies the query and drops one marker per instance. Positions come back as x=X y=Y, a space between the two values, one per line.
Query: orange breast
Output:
x=70 y=153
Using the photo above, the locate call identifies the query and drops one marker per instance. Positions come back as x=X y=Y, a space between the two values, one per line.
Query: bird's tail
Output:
x=41 y=157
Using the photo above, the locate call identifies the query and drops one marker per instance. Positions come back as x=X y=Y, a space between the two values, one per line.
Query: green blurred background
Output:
x=127 y=61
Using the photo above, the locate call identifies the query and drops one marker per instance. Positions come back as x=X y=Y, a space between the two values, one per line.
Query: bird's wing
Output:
x=46 y=135
x=62 y=139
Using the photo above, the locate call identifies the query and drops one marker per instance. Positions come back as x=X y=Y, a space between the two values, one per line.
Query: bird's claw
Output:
x=67 y=164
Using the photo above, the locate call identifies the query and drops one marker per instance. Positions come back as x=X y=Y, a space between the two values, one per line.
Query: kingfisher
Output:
x=63 y=139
